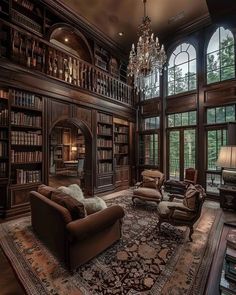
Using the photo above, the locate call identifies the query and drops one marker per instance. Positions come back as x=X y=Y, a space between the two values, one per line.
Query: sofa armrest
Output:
x=177 y=196
x=179 y=207
x=94 y=223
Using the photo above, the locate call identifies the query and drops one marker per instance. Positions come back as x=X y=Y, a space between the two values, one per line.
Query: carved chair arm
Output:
x=177 y=196
x=180 y=208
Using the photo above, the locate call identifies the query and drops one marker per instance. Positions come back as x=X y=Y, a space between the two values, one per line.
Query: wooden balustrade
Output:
x=41 y=55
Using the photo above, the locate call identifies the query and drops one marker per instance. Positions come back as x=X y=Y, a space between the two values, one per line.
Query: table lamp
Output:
x=227 y=160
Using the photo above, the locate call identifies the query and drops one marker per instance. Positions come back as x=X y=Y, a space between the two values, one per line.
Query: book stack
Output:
x=228 y=275
x=230 y=256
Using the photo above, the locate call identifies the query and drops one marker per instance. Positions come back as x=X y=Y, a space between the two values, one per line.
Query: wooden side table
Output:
x=228 y=197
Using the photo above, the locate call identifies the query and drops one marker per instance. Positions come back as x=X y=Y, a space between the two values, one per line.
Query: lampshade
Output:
x=227 y=157
x=74 y=148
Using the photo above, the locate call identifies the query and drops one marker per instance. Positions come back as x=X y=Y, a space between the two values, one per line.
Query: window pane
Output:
x=213 y=61
x=148 y=145
x=178 y=119
x=213 y=77
x=192 y=118
x=171 y=120
x=181 y=58
x=211 y=115
x=214 y=42
x=151 y=123
x=220 y=114
x=227 y=73
x=213 y=182
x=189 y=148
x=192 y=82
x=215 y=140
x=230 y=113
x=227 y=56
x=174 y=154
x=185 y=119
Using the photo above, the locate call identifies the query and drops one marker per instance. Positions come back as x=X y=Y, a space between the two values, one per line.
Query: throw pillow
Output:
x=150 y=182
x=190 y=197
x=94 y=204
x=75 y=208
x=72 y=190
x=46 y=191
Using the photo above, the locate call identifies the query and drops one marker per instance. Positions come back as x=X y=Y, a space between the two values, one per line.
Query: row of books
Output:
x=104 y=118
x=121 y=129
x=121 y=161
x=20 y=118
x=4 y=94
x=25 y=3
x=3 y=134
x=3 y=149
x=27 y=176
x=121 y=138
x=4 y=117
x=121 y=149
x=230 y=256
x=103 y=129
x=22 y=157
x=26 y=138
x=104 y=154
x=104 y=167
x=101 y=142
x=3 y=169
x=25 y=99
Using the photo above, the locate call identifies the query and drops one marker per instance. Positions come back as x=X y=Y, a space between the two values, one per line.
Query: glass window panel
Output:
x=171 y=74
x=213 y=182
x=227 y=57
x=211 y=115
x=181 y=71
x=174 y=154
x=230 y=113
x=214 y=42
x=171 y=88
x=220 y=114
x=177 y=50
x=178 y=119
x=185 y=46
x=192 y=52
x=185 y=119
x=226 y=38
x=181 y=58
x=171 y=61
x=213 y=61
x=192 y=82
x=192 y=118
x=189 y=148
x=192 y=67
x=213 y=77
x=171 y=120
x=227 y=73
x=181 y=85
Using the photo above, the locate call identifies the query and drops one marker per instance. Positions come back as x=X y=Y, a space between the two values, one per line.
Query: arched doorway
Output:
x=70 y=154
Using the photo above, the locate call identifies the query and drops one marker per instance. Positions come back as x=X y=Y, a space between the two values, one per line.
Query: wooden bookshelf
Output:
x=104 y=151
x=121 y=152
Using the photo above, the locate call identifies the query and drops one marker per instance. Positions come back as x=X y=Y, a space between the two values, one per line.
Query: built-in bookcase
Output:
x=121 y=152
x=104 y=150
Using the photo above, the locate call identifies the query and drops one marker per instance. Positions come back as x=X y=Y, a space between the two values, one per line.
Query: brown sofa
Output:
x=73 y=242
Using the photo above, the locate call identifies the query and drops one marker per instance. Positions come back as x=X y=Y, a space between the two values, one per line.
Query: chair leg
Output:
x=133 y=198
x=159 y=225
x=190 y=233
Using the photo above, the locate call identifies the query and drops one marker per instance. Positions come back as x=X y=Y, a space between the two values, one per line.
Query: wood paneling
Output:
x=220 y=96
x=83 y=114
x=181 y=103
x=58 y=111
x=152 y=108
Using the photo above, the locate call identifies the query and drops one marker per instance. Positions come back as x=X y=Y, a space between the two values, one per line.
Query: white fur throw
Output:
x=94 y=204
x=91 y=205
x=73 y=190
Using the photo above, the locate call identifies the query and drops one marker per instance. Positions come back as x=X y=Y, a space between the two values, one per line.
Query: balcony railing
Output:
x=40 y=55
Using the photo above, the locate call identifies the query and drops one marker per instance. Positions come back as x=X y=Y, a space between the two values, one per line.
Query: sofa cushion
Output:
x=150 y=182
x=147 y=193
x=94 y=204
x=72 y=190
x=46 y=191
x=75 y=207
x=190 y=197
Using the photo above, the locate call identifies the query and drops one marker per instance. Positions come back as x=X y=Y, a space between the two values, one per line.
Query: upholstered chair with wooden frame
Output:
x=180 y=187
x=184 y=213
x=150 y=188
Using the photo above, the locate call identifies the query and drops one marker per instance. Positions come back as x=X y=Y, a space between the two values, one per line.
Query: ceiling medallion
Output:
x=150 y=57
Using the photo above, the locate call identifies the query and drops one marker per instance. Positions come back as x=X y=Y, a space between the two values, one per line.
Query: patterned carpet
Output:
x=144 y=261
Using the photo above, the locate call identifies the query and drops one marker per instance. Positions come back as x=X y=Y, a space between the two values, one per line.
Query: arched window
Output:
x=220 y=56
x=151 y=86
x=182 y=69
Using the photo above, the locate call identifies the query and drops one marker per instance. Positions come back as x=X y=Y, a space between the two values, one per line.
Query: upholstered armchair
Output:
x=184 y=213
x=150 y=188
x=180 y=187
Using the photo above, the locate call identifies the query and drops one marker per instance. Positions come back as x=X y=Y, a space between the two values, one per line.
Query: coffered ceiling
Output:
x=115 y=16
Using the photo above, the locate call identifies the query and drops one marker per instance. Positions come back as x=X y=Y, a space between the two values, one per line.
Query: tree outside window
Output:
x=220 y=56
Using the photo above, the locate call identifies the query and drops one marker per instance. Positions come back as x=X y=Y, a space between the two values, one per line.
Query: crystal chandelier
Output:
x=149 y=58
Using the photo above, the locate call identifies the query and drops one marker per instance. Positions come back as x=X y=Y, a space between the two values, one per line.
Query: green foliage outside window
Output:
x=148 y=148
x=221 y=114
x=182 y=69
x=182 y=119
x=220 y=56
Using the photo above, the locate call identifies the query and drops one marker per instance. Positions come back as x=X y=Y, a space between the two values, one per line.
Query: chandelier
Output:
x=150 y=57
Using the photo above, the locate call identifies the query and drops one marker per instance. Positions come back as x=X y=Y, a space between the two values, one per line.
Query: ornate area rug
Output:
x=144 y=261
